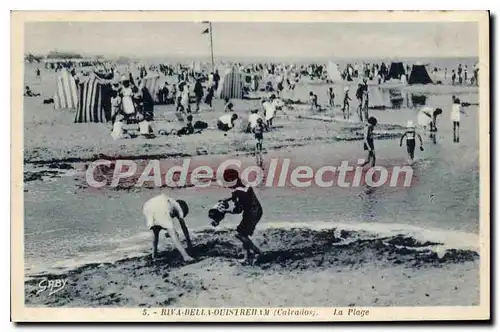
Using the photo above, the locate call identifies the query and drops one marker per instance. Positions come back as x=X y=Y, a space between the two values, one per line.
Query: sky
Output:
x=280 y=40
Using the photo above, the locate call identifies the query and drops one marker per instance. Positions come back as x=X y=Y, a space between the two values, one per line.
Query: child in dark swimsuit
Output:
x=258 y=131
x=345 y=109
x=368 y=141
x=243 y=200
x=331 y=97
x=410 y=134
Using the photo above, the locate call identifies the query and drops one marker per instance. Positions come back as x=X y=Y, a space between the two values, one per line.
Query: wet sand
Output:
x=317 y=265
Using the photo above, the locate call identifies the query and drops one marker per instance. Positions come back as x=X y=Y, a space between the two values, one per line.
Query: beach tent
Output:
x=231 y=85
x=396 y=70
x=419 y=75
x=66 y=93
x=153 y=84
x=333 y=72
x=94 y=100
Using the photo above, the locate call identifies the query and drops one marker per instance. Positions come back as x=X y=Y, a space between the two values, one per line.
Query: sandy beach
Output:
x=98 y=243
x=318 y=265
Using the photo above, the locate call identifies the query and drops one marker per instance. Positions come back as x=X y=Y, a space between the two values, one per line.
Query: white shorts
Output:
x=164 y=221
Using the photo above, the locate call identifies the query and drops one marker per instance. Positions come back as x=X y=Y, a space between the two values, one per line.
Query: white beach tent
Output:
x=333 y=72
x=66 y=91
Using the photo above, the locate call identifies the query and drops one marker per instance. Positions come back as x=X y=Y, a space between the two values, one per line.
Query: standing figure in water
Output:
x=258 y=131
x=365 y=100
x=359 y=98
x=345 y=107
x=456 y=109
x=410 y=134
x=331 y=97
x=368 y=141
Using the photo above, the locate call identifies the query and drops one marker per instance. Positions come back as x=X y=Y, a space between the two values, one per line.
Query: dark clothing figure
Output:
x=198 y=92
x=148 y=105
x=247 y=203
x=243 y=200
x=209 y=97
x=164 y=94
x=216 y=80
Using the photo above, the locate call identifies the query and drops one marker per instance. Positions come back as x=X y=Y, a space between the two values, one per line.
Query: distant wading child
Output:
x=159 y=212
x=456 y=109
x=243 y=200
x=258 y=131
x=359 y=98
x=410 y=134
x=368 y=141
x=345 y=107
x=313 y=99
x=331 y=97
x=427 y=117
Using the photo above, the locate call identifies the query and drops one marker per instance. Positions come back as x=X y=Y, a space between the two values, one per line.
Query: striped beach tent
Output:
x=66 y=93
x=153 y=84
x=231 y=85
x=94 y=100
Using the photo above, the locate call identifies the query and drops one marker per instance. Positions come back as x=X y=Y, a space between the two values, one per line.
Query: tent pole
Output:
x=211 y=46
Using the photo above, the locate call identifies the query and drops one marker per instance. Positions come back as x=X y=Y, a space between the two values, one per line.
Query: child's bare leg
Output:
x=156 y=234
x=178 y=245
x=248 y=244
x=186 y=234
x=367 y=159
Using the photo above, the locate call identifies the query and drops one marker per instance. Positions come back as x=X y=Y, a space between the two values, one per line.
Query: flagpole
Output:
x=211 y=46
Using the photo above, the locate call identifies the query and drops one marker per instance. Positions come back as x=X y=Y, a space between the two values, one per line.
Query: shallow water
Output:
x=66 y=226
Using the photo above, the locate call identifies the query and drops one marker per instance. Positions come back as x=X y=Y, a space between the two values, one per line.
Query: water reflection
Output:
x=395 y=98
x=369 y=203
x=433 y=138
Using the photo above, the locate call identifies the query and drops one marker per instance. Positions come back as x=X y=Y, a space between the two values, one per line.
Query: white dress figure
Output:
x=127 y=103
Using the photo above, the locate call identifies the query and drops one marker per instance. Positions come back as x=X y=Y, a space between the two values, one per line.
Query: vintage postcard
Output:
x=250 y=166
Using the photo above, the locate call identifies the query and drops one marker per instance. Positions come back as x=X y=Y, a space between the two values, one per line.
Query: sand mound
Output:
x=141 y=281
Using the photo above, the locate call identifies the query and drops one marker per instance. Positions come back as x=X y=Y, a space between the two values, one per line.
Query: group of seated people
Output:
x=131 y=103
x=269 y=106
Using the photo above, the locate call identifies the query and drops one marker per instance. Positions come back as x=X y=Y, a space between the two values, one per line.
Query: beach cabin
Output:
x=419 y=75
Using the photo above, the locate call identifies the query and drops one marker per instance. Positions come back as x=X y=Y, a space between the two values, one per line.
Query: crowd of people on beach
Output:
x=192 y=86
x=133 y=103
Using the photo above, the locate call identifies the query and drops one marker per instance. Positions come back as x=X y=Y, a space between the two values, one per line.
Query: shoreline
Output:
x=378 y=271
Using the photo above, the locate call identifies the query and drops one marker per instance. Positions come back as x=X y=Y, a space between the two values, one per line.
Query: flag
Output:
x=207 y=30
